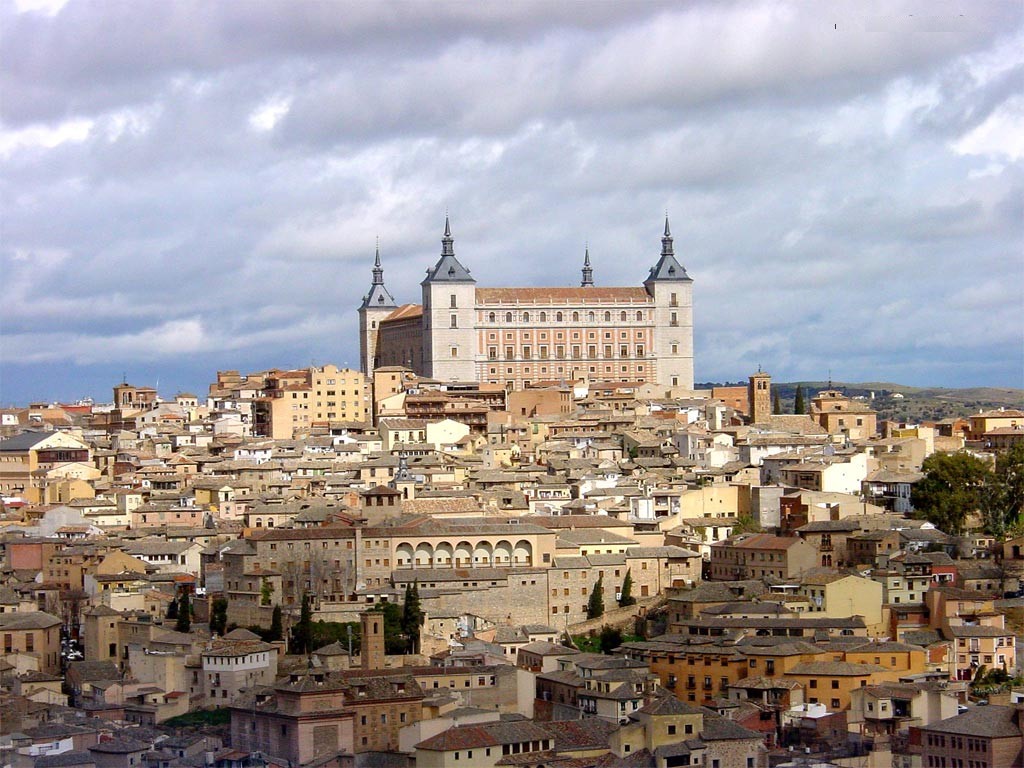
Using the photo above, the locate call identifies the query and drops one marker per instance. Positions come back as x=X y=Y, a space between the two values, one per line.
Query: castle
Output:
x=518 y=337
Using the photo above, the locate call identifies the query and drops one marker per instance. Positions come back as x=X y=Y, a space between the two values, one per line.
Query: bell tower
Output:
x=759 y=397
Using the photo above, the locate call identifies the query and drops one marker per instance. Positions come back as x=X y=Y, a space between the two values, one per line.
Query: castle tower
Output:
x=672 y=291
x=377 y=304
x=449 y=317
x=588 y=272
x=372 y=654
x=759 y=397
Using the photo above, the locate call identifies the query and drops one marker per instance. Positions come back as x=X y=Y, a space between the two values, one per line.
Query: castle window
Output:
x=455 y=351
x=508 y=317
x=639 y=351
x=526 y=353
x=454 y=303
x=640 y=317
x=558 y=317
x=675 y=349
x=492 y=354
x=526 y=317
x=673 y=320
x=492 y=317
x=543 y=317
x=591 y=317
x=575 y=317
x=509 y=353
x=455 y=321
x=607 y=317
x=622 y=317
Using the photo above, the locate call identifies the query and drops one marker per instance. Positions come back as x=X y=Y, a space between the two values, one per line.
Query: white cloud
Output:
x=41 y=136
x=270 y=113
x=1000 y=136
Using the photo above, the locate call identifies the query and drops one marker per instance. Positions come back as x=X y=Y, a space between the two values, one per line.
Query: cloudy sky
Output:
x=189 y=186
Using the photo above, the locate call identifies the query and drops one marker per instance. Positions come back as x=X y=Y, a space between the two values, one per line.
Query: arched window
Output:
x=492 y=317
x=526 y=317
x=607 y=317
x=639 y=317
x=591 y=317
x=543 y=317
x=622 y=317
x=558 y=317
x=575 y=317
x=508 y=317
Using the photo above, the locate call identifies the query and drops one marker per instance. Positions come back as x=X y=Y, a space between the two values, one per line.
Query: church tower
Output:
x=377 y=305
x=759 y=397
x=672 y=292
x=449 y=317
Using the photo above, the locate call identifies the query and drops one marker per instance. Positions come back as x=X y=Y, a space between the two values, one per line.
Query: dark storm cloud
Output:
x=205 y=181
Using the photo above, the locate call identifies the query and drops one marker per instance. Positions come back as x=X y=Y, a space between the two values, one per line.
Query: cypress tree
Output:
x=184 y=622
x=303 y=631
x=412 y=615
x=595 y=606
x=798 y=403
x=626 y=598
x=276 y=627
x=777 y=403
x=219 y=616
x=172 y=608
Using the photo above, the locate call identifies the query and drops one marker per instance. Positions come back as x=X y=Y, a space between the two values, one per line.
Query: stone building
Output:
x=517 y=337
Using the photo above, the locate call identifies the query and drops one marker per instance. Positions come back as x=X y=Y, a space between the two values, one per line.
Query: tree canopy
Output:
x=953 y=486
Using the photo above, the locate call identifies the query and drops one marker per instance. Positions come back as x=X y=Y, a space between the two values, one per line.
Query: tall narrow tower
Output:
x=672 y=291
x=371 y=655
x=377 y=304
x=449 y=317
x=759 y=397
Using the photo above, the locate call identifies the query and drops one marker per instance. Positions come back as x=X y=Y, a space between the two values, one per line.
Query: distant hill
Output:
x=917 y=403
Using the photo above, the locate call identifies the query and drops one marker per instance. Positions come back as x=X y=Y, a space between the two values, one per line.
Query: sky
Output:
x=192 y=185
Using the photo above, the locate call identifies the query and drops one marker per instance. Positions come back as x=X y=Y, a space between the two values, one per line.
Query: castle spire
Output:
x=448 y=269
x=447 y=240
x=666 y=240
x=378 y=297
x=588 y=271
x=378 y=271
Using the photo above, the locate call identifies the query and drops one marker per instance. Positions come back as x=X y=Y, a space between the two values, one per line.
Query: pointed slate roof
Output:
x=448 y=269
x=378 y=297
x=667 y=267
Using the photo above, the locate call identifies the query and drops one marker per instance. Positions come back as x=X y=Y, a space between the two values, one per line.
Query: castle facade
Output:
x=520 y=337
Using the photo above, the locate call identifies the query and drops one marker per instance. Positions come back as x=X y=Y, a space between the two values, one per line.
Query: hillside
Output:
x=917 y=403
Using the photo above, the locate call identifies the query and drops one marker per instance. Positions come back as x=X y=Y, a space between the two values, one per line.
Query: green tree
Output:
x=184 y=622
x=412 y=616
x=954 y=486
x=798 y=402
x=394 y=641
x=595 y=606
x=777 y=403
x=276 y=631
x=626 y=596
x=1002 y=499
x=172 y=608
x=266 y=591
x=219 y=616
x=610 y=639
x=302 y=632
